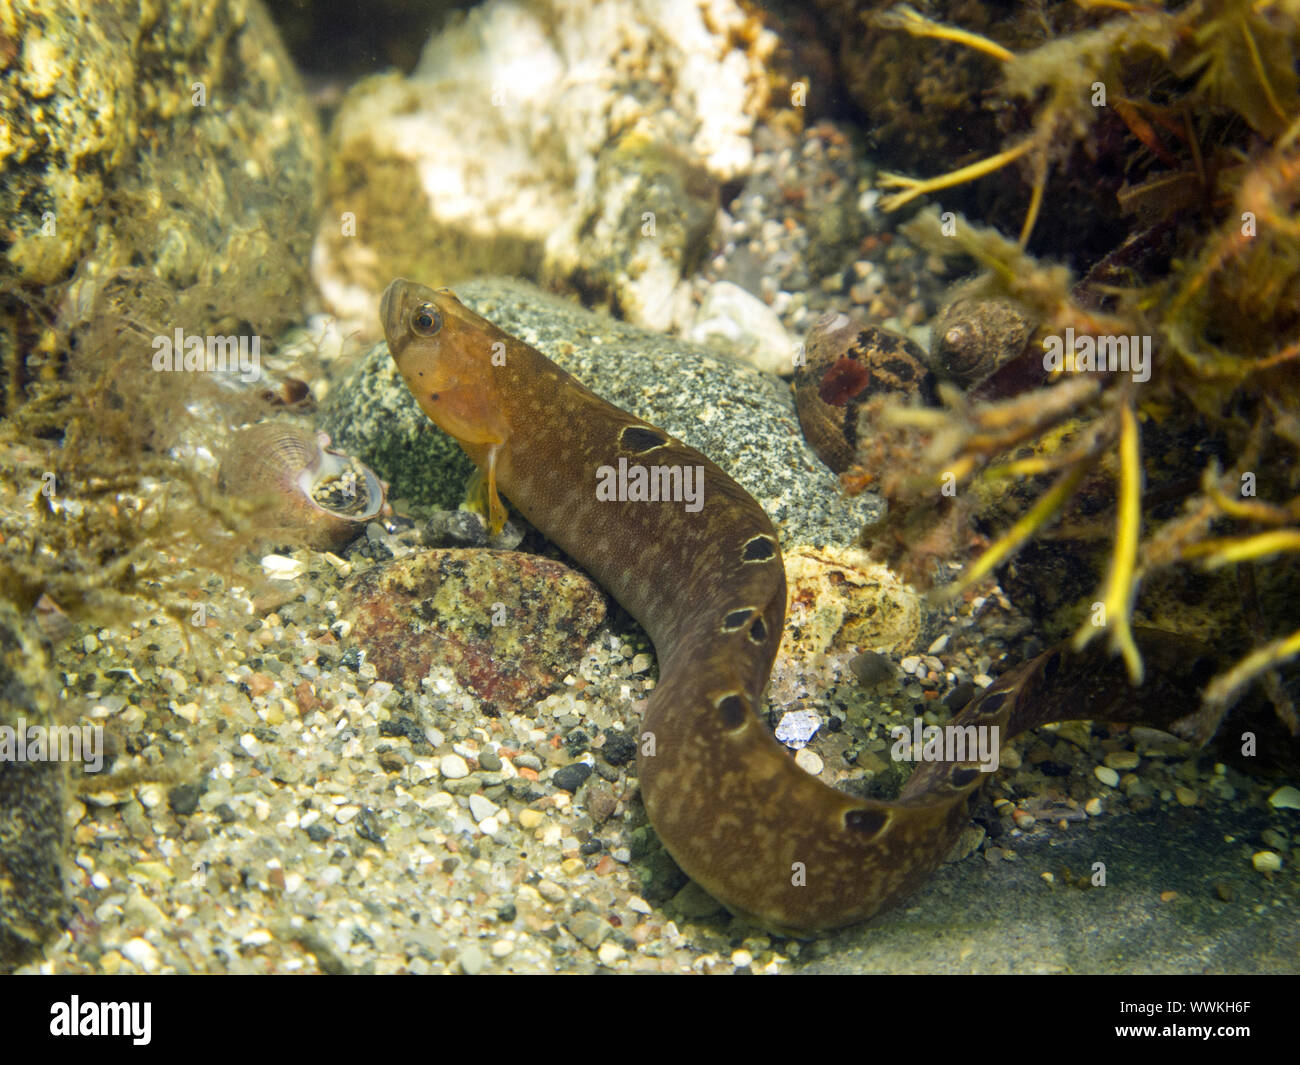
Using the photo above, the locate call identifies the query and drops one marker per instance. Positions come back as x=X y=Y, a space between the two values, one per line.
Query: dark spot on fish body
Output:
x=868 y=822
x=639 y=439
x=732 y=710
x=1202 y=670
x=736 y=618
x=990 y=704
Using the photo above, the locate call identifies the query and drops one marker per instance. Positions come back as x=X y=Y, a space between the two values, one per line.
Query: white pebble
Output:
x=344 y=814
x=282 y=568
x=610 y=953
x=1285 y=798
x=1266 y=862
x=502 y=948
x=259 y=937
x=910 y=663
x=150 y=796
x=797 y=727
x=809 y=761
x=142 y=954
x=251 y=744
x=453 y=767
x=939 y=646
x=1106 y=775
x=481 y=807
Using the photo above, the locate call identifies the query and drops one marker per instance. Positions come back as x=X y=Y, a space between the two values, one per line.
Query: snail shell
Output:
x=847 y=363
x=974 y=337
x=316 y=497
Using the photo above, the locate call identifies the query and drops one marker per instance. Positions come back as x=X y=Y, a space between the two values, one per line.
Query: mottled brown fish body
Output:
x=726 y=799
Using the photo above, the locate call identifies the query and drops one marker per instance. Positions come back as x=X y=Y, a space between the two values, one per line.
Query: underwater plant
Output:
x=1209 y=276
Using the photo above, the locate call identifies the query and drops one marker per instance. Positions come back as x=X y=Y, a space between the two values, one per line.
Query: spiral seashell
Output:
x=974 y=337
x=317 y=497
x=848 y=363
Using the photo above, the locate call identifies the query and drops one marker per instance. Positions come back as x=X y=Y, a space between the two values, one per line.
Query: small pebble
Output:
x=530 y=818
x=1274 y=840
x=453 y=767
x=797 y=727
x=570 y=777
x=472 y=960
x=610 y=953
x=551 y=891
x=283 y=568
x=809 y=761
x=1106 y=775
x=1185 y=796
x=1285 y=798
x=144 y=955
x=1123 y=760
x=481 y=807
x=871 y=667
x=1266 y=862
x=1092 y=807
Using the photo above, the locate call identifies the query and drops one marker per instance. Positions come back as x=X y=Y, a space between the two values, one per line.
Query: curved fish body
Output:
x=703 y=575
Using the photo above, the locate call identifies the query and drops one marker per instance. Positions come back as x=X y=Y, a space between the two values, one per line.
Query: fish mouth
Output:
x=390 y=310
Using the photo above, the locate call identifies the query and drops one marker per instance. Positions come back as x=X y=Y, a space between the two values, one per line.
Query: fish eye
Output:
x=426 y=320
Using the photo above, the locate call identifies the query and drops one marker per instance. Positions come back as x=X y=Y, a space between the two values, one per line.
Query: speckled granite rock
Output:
x=742 y=419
